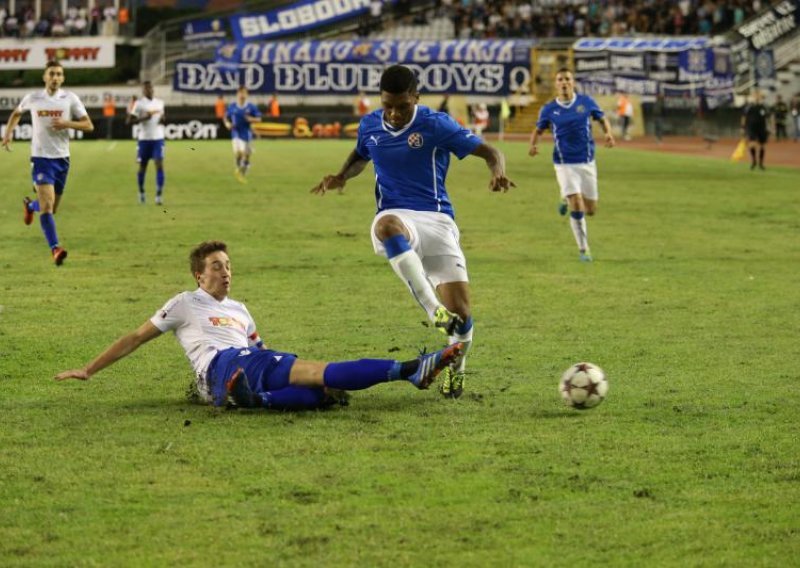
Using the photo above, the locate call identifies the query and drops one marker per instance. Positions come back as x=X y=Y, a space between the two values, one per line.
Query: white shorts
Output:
x=435 y=238
x=578 y=178
x=241 y=146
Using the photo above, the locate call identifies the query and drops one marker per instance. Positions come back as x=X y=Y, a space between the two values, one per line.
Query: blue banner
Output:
x=480 y=67
x=346 y=78
x=206 y=32
x=674 y=67
x=640 y=44
x=379 y=51
x=297 y=17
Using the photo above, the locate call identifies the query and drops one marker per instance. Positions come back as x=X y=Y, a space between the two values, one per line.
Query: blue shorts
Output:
x=148 y=150
x=265 y=369
x=50 y=171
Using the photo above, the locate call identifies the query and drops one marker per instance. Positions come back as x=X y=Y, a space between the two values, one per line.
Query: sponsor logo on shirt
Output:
x=226 y=322
x=49 y=113
x=415 y=140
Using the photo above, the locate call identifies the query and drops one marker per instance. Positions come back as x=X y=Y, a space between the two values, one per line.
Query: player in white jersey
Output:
x=148 y=113
x=230 y=361
x=53 y=112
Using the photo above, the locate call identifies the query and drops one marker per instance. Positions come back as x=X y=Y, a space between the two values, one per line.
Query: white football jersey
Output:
x=204 y=326
x=46 y=142
x=149 y=128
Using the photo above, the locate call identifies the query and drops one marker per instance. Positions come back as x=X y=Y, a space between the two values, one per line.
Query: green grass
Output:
x=691 y=308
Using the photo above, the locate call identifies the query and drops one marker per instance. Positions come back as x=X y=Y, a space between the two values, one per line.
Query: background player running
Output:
x=569 y=118
x=53 y=112
x=238 y=119
x=148 y=113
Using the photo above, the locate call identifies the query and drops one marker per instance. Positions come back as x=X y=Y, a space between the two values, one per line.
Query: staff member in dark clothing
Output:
x=754 y=125
x=780 y=110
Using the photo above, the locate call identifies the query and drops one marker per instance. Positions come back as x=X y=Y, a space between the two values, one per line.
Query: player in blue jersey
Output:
x=232 y=364
x=410 y=146
x=238 y=118
x=569 y=118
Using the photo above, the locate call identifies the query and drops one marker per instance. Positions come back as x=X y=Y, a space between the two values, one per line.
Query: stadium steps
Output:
x=524 y=121
x=437 y=29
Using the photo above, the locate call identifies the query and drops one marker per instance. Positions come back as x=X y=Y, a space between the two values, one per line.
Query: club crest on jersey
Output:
x=580 y=109
x=415 y=140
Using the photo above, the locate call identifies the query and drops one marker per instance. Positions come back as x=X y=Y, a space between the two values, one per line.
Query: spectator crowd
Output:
x=485 y=19
x=77 y=21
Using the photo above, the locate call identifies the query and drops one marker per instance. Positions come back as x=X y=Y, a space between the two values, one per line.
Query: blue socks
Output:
x=33 y=205
x=140 y=179
x=293 y=398
x=464 y=327
x=396 y=246
x=48 y=224
x=159 y=181
x=358 y=375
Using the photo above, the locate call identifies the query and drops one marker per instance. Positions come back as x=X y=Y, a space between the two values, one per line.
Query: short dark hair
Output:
x=564 y=70
x=52 y=63
x=197 y=258
x=398 y=79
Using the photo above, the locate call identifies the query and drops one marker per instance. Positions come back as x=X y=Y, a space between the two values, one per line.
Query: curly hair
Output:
x=197 y=258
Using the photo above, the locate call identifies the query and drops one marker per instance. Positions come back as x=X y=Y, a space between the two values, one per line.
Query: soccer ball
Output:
x=583 y=386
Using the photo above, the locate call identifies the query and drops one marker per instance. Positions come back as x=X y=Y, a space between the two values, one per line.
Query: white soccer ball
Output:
x=583 y=386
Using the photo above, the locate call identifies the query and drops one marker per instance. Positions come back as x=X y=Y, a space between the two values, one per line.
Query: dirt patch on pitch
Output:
x=783 y=153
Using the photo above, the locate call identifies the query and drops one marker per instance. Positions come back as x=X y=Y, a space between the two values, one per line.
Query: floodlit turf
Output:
x=691 y=308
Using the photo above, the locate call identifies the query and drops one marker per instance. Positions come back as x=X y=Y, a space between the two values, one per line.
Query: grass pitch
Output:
x=691 y=308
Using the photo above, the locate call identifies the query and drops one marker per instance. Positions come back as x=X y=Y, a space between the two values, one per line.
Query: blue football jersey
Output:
x=571 y=125
x=237 y=115
x=411 y=163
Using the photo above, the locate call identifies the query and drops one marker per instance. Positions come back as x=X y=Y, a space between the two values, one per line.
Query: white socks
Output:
x=408 y=267
x=579 y=230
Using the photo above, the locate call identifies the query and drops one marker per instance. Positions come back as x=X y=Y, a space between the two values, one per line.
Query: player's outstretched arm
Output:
x=122 y=347
x=8 y=137
x=497 y=165
x=353 y=166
